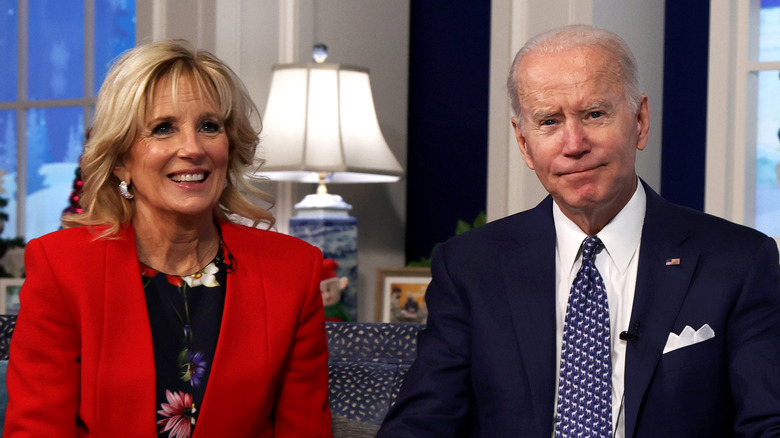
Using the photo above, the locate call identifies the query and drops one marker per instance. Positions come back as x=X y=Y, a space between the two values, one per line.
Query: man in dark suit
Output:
x=679 y=335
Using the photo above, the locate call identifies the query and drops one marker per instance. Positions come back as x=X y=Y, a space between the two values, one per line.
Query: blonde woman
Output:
x=153 y=314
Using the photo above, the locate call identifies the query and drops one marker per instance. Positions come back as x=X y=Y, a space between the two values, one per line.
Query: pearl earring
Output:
x=124 y=192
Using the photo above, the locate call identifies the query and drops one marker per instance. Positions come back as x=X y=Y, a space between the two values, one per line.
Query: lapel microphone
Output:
x=229 y=265
x=628 y=335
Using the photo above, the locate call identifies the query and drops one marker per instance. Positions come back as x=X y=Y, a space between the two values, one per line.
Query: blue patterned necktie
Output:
x=585 y=385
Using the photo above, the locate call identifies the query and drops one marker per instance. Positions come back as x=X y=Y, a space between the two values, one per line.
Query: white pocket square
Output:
x=687 y=337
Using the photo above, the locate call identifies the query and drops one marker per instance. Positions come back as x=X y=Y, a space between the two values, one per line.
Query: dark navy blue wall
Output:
x=449 y=69
x=683 y=153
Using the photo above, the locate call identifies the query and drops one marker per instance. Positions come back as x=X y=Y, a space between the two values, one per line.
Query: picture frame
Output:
x=400 y=294
x=9 y=295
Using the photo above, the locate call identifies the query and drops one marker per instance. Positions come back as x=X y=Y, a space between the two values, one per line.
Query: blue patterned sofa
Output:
x=367 y=363
x=7 y=323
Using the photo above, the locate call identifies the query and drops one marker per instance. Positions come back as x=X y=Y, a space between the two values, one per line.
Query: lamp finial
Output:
x=321 y=188
x=320 y=53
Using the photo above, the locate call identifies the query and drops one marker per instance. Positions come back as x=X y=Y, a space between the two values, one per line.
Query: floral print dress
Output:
x=185 y=314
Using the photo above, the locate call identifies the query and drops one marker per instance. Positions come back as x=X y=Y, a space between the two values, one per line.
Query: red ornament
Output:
x=75 y=195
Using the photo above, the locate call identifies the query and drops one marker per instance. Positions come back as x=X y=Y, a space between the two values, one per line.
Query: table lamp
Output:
x=320 y=126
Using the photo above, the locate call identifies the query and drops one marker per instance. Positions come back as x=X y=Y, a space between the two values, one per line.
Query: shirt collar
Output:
x=620 y=236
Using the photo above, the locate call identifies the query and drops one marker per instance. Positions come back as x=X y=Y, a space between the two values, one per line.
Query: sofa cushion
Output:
x=367 y=363
x=7 y=324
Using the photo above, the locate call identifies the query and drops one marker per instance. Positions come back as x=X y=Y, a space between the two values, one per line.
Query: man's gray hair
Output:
x=574 y=36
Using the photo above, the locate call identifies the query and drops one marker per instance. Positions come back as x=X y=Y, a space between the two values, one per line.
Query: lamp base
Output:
x=324 y=221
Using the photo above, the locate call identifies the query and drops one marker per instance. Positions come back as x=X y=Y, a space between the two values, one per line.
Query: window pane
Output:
x=769 y=37
x=8 y=170
x=56 y=49
x=54 y=144
x=768 y=154
x=8 y=47
x=114 y=33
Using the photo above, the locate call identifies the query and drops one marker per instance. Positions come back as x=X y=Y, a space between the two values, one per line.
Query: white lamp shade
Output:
x=321 y=118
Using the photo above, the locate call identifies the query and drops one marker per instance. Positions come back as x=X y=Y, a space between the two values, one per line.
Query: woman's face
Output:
x=178 y=164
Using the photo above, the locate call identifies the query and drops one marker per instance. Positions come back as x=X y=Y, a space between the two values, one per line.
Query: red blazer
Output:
x=81 y=358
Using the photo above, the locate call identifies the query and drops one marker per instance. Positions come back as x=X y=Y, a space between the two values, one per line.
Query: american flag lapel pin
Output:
x=672 y=262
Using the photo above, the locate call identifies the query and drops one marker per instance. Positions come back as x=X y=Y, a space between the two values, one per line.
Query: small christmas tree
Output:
x=75 y=195
x=74 y=204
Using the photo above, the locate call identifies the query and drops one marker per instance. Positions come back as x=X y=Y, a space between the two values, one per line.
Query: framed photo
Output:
x=401 y=294
x=9 y=295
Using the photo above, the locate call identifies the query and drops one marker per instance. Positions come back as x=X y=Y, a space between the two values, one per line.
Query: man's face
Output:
x=579 y=133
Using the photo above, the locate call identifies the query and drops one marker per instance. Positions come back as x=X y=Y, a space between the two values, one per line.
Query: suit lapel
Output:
x=242 y=346
x=529 y=282
x=660 y=292
x=126 y=354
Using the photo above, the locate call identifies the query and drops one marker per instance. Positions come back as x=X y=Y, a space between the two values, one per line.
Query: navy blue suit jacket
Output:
x=487 y=359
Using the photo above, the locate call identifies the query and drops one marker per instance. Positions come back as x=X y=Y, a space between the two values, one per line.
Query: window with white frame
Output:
x=56 y=54
x=743 y=114
x=768 y=122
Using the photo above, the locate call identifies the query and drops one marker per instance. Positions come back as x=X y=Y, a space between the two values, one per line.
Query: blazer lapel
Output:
x=660 y=292
x=242 y=346
x=126 y=354
x=529 y=282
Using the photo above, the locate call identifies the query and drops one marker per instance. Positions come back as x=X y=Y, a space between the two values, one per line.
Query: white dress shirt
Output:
x=617 y=264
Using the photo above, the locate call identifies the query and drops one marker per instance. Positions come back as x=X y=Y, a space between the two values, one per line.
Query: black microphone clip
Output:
x=630 y=336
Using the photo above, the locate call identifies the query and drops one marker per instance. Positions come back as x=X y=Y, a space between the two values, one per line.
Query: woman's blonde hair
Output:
x=122 y=104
